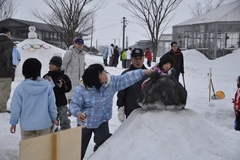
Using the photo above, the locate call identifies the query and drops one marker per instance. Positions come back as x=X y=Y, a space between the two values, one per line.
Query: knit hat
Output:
x=78 y=40
x=137 y=52
x=56 y=60
x=166 y=59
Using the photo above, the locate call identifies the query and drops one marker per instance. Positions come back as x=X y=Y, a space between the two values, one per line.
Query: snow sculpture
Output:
x=162 y=91
x=32 y=34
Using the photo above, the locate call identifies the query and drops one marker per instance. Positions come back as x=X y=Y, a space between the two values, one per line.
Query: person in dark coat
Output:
x=177 y=55
x=6 y=67
x=116 y=56
x=127 y=98
x=61 y=84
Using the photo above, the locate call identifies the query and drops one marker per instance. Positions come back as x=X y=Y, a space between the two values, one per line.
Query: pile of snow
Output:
x=36 y=48
x=166 y=135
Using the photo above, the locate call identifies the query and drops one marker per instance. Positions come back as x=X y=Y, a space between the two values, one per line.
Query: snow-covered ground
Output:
x=204 y=131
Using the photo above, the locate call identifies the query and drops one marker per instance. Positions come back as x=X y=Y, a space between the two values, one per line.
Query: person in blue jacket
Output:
x=92 y=101
x=33 y=103
x=16 y=58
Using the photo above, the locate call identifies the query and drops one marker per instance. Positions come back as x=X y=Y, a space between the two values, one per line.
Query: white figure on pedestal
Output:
x=32 y=34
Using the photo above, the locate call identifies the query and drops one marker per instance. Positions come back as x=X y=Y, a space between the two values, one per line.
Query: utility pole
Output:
x=126 y=41
x=96 y=43
x=91 y=37
x=114 y=41
x=124 y=26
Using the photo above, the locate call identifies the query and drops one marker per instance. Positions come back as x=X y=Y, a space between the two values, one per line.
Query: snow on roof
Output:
x=227 y=13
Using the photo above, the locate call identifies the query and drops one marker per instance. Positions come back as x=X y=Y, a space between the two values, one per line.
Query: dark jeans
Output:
x=101 y=134
x=237 y=122
x=124 y=63
x=115 y=61
x=149 y=63
x=128 y=63
x=111 y=61
x=105 y=62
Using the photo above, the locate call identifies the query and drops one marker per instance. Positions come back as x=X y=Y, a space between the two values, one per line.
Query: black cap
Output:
x=137 y=52
x=56 y=60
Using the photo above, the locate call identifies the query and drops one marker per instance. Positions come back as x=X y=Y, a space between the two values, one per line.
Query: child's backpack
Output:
x=105 y=53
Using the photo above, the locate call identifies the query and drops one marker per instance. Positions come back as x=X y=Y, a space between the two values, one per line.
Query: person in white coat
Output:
x=128 y=62
x=110 y=55
x=74 y=64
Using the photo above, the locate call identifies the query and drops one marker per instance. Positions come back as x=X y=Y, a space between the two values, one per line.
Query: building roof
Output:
x=227 y=13
x=38 y=25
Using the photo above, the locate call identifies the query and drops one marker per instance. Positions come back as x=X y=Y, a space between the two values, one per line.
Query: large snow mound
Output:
x=180 y=134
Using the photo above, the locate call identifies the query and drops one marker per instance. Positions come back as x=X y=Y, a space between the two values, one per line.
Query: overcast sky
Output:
x=108 y=26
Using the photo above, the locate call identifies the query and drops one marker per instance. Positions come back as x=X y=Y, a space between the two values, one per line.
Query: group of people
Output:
x=44 y=100
x=125 y=57
x=111 y=52
x=89 y=91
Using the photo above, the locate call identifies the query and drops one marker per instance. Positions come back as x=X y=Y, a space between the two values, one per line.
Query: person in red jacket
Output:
x=148 y=55
x=236 y=102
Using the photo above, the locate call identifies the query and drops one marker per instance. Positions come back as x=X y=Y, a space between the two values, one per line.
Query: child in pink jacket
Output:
x=165 y=65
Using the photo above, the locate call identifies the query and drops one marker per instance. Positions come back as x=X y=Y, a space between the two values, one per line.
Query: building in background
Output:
x=45 y=32
x=214 y=34
x=163 y=45
x=20 y=29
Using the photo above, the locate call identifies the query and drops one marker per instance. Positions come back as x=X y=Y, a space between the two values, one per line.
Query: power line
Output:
x=108 y=26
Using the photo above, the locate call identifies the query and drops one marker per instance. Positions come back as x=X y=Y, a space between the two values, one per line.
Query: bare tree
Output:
x=7 y=9
x=152 y=14
x=204 y=6
x=70 y=18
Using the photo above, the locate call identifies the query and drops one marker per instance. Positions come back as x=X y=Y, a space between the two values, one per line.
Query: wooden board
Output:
x=57 y=146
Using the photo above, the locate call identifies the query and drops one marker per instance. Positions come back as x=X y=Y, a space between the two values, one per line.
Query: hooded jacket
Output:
x=33 y=102
x=98 y=104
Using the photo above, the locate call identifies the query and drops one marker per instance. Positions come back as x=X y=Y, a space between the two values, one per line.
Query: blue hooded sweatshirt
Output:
x=33 y=103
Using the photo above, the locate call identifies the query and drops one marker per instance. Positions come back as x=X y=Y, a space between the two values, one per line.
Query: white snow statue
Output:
x=32 y=34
